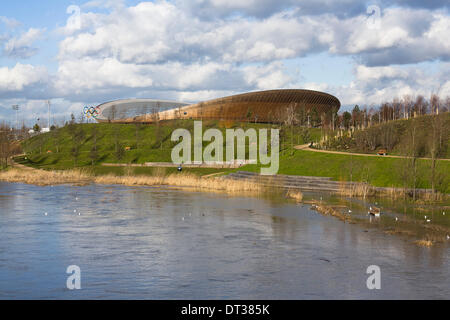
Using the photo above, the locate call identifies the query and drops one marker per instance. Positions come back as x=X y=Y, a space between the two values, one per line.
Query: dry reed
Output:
x=330 y=211
x=295 y=194
x=356 y=190
x=182 y=180
x=42 y=178
x=424 y=243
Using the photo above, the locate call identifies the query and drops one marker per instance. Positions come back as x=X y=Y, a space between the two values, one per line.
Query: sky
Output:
x=78 y=53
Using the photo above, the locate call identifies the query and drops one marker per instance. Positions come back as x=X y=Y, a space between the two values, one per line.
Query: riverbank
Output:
x=422 y=227
x=419 y=230
x=84 y=176
x=124 y=145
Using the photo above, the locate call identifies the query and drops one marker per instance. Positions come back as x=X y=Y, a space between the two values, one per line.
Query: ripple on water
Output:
x=227 y=247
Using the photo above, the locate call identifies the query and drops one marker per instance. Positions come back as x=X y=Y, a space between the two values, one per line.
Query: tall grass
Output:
x=295 y=194
x=182 y=180
x=356 y=190
x=42 y=178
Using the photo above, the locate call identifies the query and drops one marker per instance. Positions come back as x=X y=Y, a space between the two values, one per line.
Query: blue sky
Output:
x=199 y=49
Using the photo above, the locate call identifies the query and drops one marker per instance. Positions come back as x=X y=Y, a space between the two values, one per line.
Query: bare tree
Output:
x=407 y=102
x=6 y=139
x=446 y=107
x=78 y=136
x=414 y=145
x=434 y=103
x=291 y=120
x=435 y=145
x=93 y=154
x=138 y=137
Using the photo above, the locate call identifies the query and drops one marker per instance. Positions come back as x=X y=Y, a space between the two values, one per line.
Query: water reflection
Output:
x=166 y=244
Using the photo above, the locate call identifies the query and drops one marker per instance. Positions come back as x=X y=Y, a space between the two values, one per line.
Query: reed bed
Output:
x=295 y=194
x=330 y=211
x=182 y=180
x=43 y=178
x=356 y=190
x=424 y=243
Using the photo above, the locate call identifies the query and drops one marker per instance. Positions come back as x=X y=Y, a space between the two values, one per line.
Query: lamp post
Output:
x=48 y=120
x=16 y=108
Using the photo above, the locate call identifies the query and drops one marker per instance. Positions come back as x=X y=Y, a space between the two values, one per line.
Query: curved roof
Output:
x=129 y=108
x=281 y=96
x=263 y=106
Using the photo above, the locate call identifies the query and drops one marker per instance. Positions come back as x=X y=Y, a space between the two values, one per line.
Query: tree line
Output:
x=9 y=145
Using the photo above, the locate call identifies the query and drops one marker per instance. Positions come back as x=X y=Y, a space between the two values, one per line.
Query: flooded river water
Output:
x=150 y=243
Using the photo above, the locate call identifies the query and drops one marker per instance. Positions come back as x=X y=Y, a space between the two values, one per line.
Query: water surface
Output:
x=150 y=243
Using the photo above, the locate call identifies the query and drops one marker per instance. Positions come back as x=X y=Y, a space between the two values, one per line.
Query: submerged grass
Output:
x=295 y=194
x=331 y=211
x=356 y=190
x=424 y=243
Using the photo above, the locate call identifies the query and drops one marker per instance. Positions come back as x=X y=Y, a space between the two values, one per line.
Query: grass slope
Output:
x=151 y=143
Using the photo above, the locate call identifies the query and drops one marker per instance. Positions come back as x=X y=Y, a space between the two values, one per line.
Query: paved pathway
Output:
x=307 y=148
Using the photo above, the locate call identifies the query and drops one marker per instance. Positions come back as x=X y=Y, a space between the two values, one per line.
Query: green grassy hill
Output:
x=396 y=137
x=151 y=143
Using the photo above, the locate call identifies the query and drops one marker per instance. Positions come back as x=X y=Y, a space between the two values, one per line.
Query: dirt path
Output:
x=307 y=148
x=18 y=165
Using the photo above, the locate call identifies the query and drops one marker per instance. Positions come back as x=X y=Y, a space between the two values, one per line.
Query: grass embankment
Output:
x=379 y=172
x=152 y=143
x=395 y=137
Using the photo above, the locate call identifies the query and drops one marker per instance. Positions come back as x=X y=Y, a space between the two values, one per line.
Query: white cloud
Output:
x=10 y=22
x=404 y=36
x=203 y=49
x=159 y=32
x=90 y=74
x=374 y=85
x=269 y=76
x=365 y=74
x=21 y=76
x=21 y=46
x=104 y=4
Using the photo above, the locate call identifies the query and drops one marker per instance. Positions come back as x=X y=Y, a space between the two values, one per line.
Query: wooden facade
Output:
x=263 y=106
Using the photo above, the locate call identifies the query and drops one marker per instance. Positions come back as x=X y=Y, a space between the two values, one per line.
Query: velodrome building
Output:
x=263 y=106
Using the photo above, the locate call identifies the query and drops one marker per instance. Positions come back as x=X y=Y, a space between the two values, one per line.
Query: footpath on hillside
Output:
x=306 y=147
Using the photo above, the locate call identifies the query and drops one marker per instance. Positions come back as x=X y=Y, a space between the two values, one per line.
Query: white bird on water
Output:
x=46 y=214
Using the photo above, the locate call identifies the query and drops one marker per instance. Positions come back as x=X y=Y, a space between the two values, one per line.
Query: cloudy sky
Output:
x=79 y=53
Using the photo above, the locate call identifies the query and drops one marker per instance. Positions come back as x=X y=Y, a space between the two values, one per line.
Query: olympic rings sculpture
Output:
x=91 y=112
